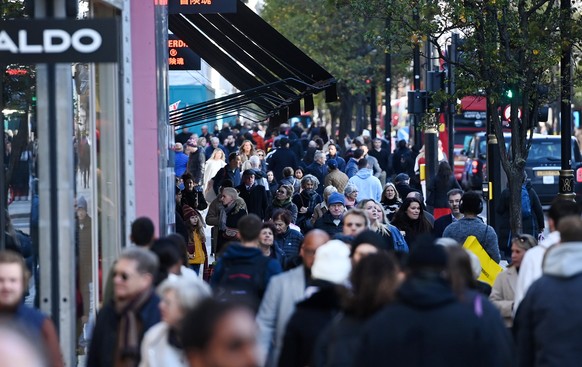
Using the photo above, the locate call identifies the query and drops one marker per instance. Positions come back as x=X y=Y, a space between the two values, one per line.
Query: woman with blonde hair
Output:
x=213 y=165
x=379 y=224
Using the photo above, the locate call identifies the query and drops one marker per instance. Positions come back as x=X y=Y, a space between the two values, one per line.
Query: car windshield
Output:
x=545 y=150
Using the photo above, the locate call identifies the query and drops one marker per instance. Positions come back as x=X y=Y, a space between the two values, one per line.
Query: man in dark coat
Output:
x=380 y=154
x=133 y=310
x=548 y=320
x=282 y=158
x=402 y=184
x=440 y=224
x=428 y=326
x=255 y=196
x=196 y=160
x=403 y=159
x=231 y=171
x=332 y=221
x=318 y=169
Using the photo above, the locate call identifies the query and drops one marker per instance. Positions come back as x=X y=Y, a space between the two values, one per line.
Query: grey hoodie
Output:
x=564 y=260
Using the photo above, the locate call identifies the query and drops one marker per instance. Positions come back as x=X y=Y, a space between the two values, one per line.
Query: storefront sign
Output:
x=180 y=56
x=58 y=41
x=201 y=6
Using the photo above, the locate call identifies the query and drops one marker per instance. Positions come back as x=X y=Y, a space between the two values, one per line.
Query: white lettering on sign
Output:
x=50 y=35
x=53 y=41
x=6 y=43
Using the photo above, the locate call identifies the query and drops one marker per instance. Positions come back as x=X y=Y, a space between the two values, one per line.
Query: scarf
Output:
x=128 y=352
x=281 y=204
x=223 y=214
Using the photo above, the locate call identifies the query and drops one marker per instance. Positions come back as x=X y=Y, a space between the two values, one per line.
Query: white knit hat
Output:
x=332 y=262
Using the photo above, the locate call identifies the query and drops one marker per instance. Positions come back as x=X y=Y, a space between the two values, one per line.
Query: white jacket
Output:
x=157 y=352
x=531 y=267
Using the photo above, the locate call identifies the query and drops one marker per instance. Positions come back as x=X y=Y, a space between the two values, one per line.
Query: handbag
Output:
x=489 y=268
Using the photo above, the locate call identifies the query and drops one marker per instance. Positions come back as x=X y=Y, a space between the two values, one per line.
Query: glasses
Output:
x=452 y=202
x=123 y=275
x=281 y=192
x=261 y=155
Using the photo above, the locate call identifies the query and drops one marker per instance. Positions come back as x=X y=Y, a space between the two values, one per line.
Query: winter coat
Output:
x=532 y=225
x=255 y=198
x=440 y=225
x=308 y=199
x=180 y=163
x=339 y=342
x=548 y=323
x=326 y=223
x=341 y=163
x=196 y=162
x=382 y=156
x=369 y=187
x=224 y=173
x=235 y=251
x=232 y=218
x=319 y=171
x=283 y=293
x=156 y=350
x=485 y=234
x=104 y=340
x=290 y=242
x=292 y=208
x=337 y=179
x=311 y=316
x=503 y=293
x=437 y=197
x=282 y=158
x=531 y=267
x=351 y=167
x=428 y=326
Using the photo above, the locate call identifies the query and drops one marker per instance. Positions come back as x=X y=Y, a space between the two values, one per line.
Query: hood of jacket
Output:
x=426 y=293
x=237 y=251
x=564 y=260
x=364 y=173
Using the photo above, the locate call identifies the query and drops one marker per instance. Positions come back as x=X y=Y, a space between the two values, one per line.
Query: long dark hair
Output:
x=444 y=174
x=374 y=280
x=403 y=221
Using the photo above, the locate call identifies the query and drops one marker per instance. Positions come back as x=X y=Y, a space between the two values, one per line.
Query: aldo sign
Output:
x=58 y=41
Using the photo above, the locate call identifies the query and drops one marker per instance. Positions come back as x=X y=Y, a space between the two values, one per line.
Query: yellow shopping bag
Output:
x=489 y=268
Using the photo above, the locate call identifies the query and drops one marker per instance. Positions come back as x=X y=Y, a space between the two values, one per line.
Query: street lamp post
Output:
x=566 y=187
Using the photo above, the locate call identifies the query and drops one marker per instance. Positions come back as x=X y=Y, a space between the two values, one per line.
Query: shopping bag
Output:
x=489 y=268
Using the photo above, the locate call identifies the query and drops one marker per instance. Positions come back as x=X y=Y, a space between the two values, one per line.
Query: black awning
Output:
x=272 y=73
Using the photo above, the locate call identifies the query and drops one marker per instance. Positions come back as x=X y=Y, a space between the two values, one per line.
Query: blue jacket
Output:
x=180 y=163
x=351 y=167
x=290 y=242
x=369 y=187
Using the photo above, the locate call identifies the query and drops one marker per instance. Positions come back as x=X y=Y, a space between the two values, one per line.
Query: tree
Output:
x=18 y=85
x=338 y=40
x=509 y=45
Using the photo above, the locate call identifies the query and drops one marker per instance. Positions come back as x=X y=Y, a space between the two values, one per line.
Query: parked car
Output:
x=542 y=166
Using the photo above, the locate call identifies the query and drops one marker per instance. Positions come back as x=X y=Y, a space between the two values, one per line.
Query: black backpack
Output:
x=243 y=281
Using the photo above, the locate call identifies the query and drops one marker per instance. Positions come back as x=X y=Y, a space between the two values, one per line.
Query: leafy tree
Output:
x=509 y=45
x=338 y=40
x=18 y=89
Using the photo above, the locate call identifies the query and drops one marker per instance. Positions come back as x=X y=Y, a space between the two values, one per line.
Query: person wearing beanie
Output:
x=329 y=272
x=427 y=320
x=196 y=242
x=335 y=176
x=332 y=220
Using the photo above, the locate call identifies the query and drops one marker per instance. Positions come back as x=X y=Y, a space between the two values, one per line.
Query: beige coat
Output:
x=503 y=293
x=338 y=179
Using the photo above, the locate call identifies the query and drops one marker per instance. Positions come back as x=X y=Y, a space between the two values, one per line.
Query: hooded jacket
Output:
x=548 y=323
x=369 y=186
x=428 y=326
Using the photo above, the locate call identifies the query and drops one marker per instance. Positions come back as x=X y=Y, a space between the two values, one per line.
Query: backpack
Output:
x=243 y=280
x=525 y=203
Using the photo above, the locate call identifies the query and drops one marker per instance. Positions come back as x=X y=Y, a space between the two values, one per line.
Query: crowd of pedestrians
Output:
x=324 y=254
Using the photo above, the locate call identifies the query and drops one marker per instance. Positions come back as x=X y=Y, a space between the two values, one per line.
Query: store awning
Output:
x=272 y=74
